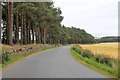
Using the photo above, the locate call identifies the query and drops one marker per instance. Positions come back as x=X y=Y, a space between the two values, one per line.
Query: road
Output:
x=54 y=63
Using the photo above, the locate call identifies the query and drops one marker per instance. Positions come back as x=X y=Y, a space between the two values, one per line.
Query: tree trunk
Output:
x=36 y=35
x=17 y=29
x=0 y=20
x=44 y=36
x=10 y=23
x=32 y=34
x=25 y=30
x=22 y=28
x=29 y=34
x=41 y=32
x=36 y=38
x=39 y=35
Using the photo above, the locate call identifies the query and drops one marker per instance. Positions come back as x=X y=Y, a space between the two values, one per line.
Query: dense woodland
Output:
x=109 y=39
x=28 y=23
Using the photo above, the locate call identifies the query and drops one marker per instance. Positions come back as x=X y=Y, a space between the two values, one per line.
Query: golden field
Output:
x=110 y=49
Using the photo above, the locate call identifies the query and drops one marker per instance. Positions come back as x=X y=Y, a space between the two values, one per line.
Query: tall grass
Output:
x=110 y=49
x=103 y=62
x=10 y=58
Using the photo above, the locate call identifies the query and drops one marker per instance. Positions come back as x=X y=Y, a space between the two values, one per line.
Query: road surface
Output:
x=54 y=63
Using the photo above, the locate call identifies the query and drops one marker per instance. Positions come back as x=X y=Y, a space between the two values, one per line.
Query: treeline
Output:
x=109 y=39
x=28 y=23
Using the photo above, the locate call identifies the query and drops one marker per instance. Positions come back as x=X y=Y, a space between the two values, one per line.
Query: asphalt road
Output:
x=54 y=63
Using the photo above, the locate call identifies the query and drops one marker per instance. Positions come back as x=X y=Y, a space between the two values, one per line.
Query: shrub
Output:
x=119 y=68
x=87 y=53
x=97 y=57
x=104 y=60
x=5 y=57
x=98 y=60
x=77 y=48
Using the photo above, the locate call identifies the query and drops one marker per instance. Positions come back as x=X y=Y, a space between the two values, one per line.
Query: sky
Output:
x=97 y=17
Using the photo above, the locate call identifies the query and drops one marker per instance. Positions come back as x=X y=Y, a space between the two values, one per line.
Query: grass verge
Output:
x=19 y=56
x=103 y=69
x=0 y=65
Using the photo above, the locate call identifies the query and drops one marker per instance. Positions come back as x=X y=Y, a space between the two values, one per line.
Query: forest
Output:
x=30 y=22
x=109 y=39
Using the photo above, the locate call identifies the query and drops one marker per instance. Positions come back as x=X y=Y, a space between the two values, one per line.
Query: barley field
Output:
x=109 y=49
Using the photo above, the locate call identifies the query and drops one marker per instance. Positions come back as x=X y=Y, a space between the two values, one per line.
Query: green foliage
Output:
x=119 y=68
x=96 y=59
x=87 y=53
x=43 y=22
x=109 y=39
x=8 y=59
x=90 y=62
x=5 y=57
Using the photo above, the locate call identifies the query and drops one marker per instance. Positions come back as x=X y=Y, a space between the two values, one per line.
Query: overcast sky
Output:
x=97 y=17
